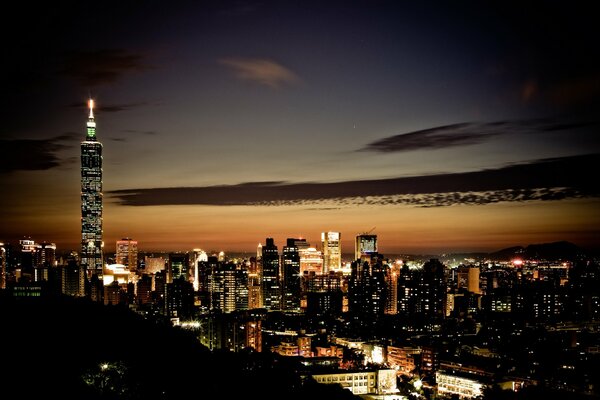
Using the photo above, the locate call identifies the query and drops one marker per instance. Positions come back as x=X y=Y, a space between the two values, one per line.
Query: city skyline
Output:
x=442 y=129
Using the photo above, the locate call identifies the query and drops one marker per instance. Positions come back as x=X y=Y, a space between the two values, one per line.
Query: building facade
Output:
x=332 y=251
x=91 y=199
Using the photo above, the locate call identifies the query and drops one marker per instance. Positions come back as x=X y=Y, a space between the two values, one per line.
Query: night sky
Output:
x=441 y=126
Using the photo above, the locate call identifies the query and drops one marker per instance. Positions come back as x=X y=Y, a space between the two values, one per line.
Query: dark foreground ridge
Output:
x=72 y=348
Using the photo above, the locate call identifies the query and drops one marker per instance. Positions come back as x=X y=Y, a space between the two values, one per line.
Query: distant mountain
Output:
x=547 y=251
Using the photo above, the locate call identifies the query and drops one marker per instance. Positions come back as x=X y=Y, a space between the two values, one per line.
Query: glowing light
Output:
x=418 y=384
x=517 y=262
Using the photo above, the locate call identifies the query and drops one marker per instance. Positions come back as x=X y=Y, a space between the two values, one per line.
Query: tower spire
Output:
x=91 y=105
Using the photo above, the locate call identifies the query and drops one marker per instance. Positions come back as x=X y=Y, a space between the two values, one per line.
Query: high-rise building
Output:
x=367 y=289
x=324 y=293
x=270 y=284
x=432 y=290
x=178 y=266
x=254 y=300
x=291 y=276
x=311 y=261
x=365 y=246
x=179 y=298
x=197 y=257
x=228 y=286
x=29 y=258
x=91 y=199
x=46 y=260
x=332 y=251
x=153 y=264
x=72 y=278
x=127 y=253
x=2 y=266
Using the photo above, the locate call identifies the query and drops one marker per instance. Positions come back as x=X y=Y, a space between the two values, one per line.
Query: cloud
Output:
x=263 y=71
x=32 y=154
x=111 y=108
x=99 y=67
x=466 y=133
x=548 y=179
x=141 y=132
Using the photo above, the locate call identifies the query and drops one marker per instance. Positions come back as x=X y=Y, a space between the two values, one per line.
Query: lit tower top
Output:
x=91 y=123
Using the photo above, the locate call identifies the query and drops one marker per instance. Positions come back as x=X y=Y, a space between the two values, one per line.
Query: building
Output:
x=365 y=246
x=367 y=290
x=323 y=293
x=153 y=264
x=228 y=287
x=302 y=347
x=2 y=266
x=403 y=359
x=432 y=290
x=465 y=386
x=254 y=284
x=468 y=278
x=29 y=259
x=127 y=253
x=311 y=260
x=72 y=279
x=332 y=251
x=179 y=299
x=46 y=261
x=91 y=199
x=379 y=382
x=198 y=256
x=233 y=331
x=144 y=289
x=291 y=276
x=270 y=283
x=178 y=266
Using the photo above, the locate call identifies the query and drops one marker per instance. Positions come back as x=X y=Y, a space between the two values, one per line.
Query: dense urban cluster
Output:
x=374 y=325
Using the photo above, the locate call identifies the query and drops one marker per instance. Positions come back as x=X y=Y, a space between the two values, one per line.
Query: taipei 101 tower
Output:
x=91 y=199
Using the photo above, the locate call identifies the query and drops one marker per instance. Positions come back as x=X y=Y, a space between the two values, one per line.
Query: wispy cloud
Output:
x=141 y=132
x=466 y=133
x=548 y=179
x=98 y=67
x=262 y=71
x=110 y=107
x=32 y=154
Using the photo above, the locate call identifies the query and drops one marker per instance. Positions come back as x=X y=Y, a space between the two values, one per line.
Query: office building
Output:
x=270 y=283
x=332 y=251
x=127 y=253
x=291 y=276
x=365 y=245
x=91 y=199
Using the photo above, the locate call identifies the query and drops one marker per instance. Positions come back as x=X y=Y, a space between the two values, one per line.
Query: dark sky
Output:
x=471 y=125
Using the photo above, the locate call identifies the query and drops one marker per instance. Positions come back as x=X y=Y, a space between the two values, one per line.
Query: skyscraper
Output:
x=291 y=276
x=332 y=251
x=91 y=199
x=127 y=253
x=270 y=284
x=365 y=246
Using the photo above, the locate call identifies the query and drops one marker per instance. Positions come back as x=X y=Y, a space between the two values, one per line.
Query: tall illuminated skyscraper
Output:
x=91 y=199
x=270 y=283
x=365 y=245
x=332 y=251
x=127 y=253
x=291 y=276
